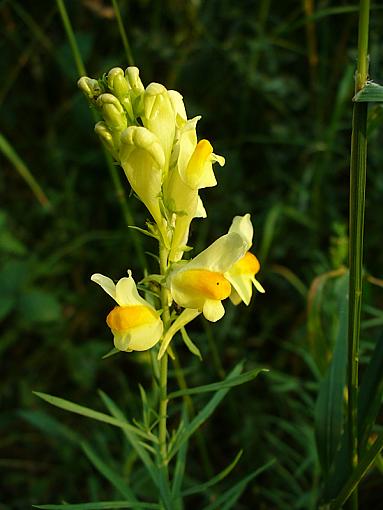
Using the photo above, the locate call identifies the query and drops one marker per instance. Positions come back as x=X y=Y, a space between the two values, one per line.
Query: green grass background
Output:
x=273 y=82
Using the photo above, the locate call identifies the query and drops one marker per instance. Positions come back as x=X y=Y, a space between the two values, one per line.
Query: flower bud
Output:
x=112 y=112
x=142 y=159
x=159 y=117
x=132 y=74
x=91 y=88
x=120 y=87
x=102 y=131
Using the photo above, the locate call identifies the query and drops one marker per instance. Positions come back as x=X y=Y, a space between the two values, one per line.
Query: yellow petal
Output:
x=213 y=310
x=248 y=264
x=210 y=284
x=125 y=318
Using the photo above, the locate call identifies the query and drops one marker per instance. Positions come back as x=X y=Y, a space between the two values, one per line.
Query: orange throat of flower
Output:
x=125 y=318
x=248 y=264
x=209 y=284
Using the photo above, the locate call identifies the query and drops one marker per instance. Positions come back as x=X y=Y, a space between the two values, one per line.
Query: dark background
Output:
x=274 y=89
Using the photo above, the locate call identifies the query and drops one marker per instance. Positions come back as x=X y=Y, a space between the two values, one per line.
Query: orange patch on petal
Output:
x=248 y=264
x=125 y=318
x=208 y=284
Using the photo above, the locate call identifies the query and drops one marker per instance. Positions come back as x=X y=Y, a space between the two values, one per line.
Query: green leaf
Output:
x=50 y=425
x=227 y=383
x=358 y=474
x=216 y=479
x=229 y=498
x=370 y=394
x=89 y=413
x=329 y=409
x=179 y=470
x=370 y=93
x=99 y=505
x=109 y=474
x=186 y=431
x=189 y=344
x=140 y=450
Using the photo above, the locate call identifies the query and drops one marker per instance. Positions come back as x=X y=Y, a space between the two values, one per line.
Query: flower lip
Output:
x=248 y=264
x=125 y=318
x=209 y=284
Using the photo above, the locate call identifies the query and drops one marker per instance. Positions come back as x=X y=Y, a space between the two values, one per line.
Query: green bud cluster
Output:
x=119 y=98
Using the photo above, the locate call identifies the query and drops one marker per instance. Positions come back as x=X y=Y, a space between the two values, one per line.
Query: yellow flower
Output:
x=191 y=170
x=159 y=117
x=143 y=160
x=135 y=324
x=242 y=274
x=201 y=283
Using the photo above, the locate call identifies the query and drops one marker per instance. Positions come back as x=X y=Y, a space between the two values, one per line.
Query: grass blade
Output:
x=229 y=498
x=99 y=505
x=358 y=474
x=89 y=413
x=204 y=414
x=329 y=409
x=10 y=153
x=109 y=474
x=216 y=479
x=227 y=383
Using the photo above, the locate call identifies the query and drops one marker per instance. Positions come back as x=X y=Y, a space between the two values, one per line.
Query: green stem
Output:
x=10 y=153
x=163 y=405
x=356 y=218
x=124 y=37
x=113 y=172
x=71 y=37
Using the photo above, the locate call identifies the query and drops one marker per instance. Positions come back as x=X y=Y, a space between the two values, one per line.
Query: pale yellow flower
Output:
x=191 y=170
x=135 y=324
x=242 y=274
x=143 y=159
x=201 y=283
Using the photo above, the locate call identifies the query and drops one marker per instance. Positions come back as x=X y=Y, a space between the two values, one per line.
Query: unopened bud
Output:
x=132 y=75
x=106 y=137
x=89 y=87
x=112 y=112
x=120 y=87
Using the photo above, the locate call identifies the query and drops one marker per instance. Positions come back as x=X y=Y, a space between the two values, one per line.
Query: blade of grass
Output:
x=227 y=383
x=10 y=153
x=358 y=474
x=91 y=413
x=99 y=505
x=356 y=221
x=109 y=474
x=124 y=37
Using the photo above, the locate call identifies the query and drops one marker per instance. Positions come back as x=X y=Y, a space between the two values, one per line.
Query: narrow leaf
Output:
x=370 y=394
x=141 y=452
x=358 y=474
x=228 y=499
x=370 y=93
x=204 y=414
x=329 y=409
x=89 y=413
x=99 y=505
x=216 y=479
x=227 y=383
x=189 y=344
x=109 y=474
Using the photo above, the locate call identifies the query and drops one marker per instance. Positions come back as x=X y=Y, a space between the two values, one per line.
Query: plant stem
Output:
x=124 y=37
x=113 y=172
x=163 y=405
x=356 y=219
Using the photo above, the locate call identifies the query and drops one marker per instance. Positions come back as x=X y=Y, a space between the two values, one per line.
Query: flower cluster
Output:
x=148 y=133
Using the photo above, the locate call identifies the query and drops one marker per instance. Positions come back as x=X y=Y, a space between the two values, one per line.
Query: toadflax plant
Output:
x=148 y=133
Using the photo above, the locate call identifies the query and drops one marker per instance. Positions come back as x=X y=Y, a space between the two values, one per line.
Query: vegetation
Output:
x=273 y=82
